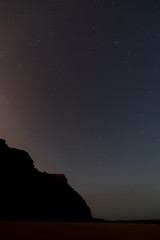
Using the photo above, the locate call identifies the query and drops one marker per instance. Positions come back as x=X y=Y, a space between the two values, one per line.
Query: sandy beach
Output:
x=60 y=231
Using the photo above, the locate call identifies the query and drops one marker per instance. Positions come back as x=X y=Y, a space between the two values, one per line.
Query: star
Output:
x=116 y=43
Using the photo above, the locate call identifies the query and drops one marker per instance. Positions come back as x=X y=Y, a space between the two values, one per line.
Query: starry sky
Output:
x=80 y=91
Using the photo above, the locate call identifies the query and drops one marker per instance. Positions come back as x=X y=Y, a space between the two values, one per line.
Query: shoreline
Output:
x=78 y=230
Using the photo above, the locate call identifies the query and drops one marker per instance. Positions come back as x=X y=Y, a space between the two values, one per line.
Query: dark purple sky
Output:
x=80 y=91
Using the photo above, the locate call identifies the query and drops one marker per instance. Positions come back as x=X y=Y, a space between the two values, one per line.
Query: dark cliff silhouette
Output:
x=28 y=194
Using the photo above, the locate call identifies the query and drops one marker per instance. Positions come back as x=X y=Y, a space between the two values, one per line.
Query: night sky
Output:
x=80 y=91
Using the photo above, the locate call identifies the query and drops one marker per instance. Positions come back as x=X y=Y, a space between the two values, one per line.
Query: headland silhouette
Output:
x=30 y=195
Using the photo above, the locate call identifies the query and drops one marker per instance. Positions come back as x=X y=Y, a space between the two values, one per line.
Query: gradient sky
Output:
x=80 y=91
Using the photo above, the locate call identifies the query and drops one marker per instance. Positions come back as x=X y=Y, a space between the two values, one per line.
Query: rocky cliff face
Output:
x=28 y=194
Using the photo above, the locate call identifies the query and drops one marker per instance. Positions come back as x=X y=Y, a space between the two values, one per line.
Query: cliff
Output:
x=30 y=195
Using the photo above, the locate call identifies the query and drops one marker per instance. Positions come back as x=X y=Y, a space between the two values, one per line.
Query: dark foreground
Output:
x=78 y=231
